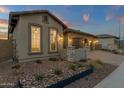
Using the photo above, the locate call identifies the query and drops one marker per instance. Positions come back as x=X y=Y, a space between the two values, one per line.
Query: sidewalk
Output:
x=114 y=80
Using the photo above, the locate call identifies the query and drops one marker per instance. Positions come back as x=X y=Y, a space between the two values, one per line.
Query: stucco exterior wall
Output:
x=22 y=37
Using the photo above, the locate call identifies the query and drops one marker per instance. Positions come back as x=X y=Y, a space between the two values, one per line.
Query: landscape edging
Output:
x=63 y=83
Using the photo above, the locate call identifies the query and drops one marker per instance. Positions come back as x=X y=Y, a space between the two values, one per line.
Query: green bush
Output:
x=38 y=61
x=39 y=76
x=79 y=65
x=57 y=71
x=72 y=67
x=17 y=66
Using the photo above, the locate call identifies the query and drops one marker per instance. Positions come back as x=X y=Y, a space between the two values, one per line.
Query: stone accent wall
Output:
x=5 y=50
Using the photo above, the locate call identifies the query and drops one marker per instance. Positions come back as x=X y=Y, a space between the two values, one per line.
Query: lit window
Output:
x=35 y=39
x=53 y=40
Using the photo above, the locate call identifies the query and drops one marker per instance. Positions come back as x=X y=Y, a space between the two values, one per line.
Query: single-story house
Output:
x=38 y=34
x=108 y=42
x=122 y=44
x=35 y=34
x=78 y=38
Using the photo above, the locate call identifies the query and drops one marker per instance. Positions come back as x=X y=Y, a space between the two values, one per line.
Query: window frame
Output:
x=49 y=40
x=30 y=37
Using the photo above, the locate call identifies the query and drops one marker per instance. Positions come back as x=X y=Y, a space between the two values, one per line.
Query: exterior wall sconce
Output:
x=60 y=38
x=89 y=42
x=70 y=40
x=96 y=41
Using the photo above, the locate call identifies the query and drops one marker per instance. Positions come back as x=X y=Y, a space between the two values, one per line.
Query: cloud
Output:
x=4 y=9
x=112 y=12
x=117 y=18
x=108 y=17
x=3 y=21
x=121 y=19
x=86 y=17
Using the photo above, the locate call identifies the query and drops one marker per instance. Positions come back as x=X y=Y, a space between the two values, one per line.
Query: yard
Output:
x=111 y=62
x=93 y=79
x=38 y=73
x=44 y=73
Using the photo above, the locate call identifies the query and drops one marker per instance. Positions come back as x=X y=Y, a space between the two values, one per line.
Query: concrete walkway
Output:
x=114 y=80
x=107 y=57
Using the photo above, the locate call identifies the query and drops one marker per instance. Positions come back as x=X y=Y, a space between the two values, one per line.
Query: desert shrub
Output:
x=73 y=67
x=79 y=65
x=99 y=61
x=96 y=64
x=17 y=66
x=53 y=59
x=57 y=71
x=38 y=61
x=39 y=76
x=83 y=60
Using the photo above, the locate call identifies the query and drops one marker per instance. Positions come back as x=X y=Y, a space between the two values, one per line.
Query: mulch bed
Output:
x=94 y=78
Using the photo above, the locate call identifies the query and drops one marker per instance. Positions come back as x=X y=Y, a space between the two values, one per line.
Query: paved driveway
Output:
x=107 y=57
x=114 y=80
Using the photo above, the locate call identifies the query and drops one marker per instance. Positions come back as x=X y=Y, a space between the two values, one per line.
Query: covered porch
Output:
x=79 y=39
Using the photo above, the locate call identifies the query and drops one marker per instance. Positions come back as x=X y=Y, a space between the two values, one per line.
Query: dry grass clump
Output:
x=96 y=64
x=99 y=62
x=17 y=66
x=57 y=71
x=39 y=76
x=53 y=59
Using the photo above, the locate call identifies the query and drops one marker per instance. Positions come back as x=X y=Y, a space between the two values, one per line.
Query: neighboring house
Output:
x=79 y=39
x=35 y=35
x=109 y=42
x=122 y=44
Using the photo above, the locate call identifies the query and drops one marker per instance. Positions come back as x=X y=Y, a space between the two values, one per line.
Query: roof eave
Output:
x=17 y=14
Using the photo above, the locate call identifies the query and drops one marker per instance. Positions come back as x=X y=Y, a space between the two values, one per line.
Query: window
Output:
x=35 y=38
x=76 y=42
x=45 y=19
x=53 y=40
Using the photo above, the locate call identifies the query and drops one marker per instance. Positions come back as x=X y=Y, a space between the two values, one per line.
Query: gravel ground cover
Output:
x=94 y=78
x=38 y=73
x=44 y=73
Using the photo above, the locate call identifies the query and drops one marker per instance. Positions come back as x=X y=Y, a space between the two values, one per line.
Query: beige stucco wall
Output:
x=22 y=37
x=108 y=43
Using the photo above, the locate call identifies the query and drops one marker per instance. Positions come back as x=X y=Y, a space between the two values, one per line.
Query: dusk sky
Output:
x=91 y=19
